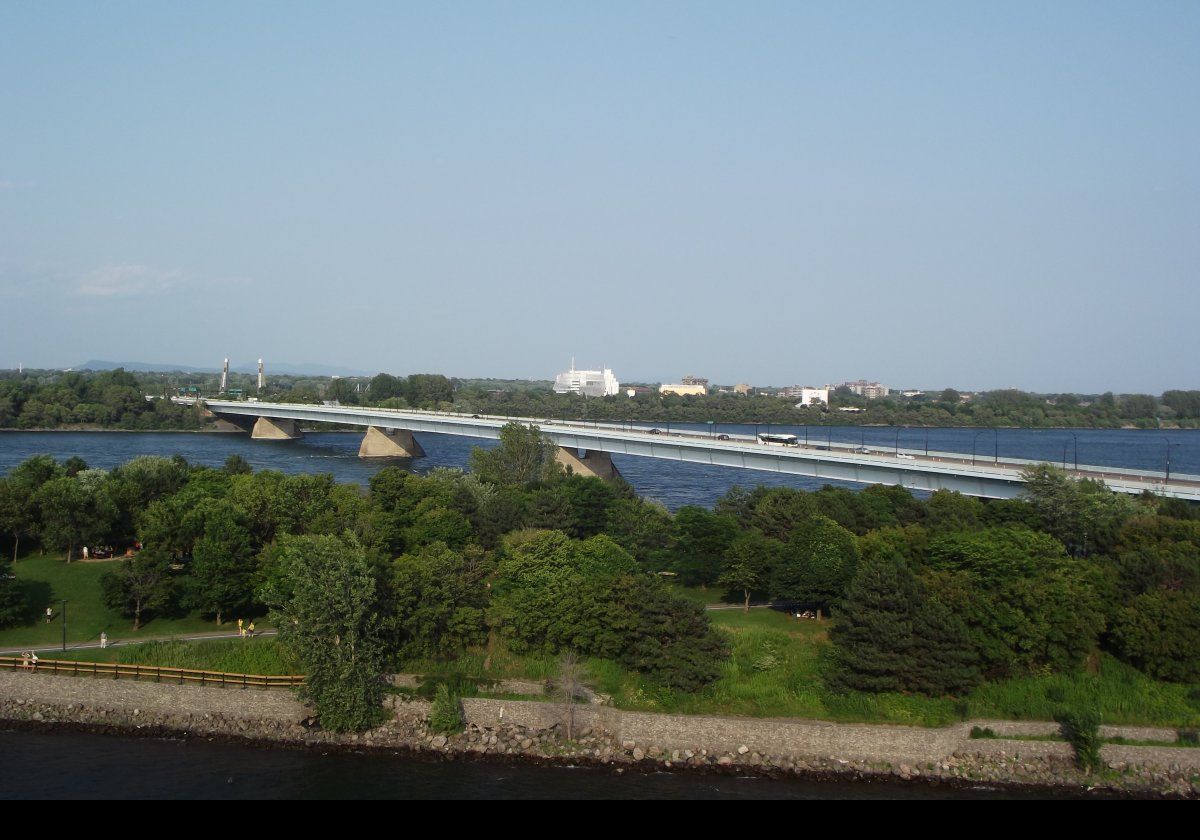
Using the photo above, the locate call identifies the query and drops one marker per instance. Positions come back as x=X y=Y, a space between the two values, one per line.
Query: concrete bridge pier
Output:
x=274 y=428
x=389 y=443
x=593 y=463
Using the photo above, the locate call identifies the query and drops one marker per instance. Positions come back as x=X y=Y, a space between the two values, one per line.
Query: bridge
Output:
x=586 y=448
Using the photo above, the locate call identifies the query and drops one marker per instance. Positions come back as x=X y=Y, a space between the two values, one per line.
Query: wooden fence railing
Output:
x=117 y=670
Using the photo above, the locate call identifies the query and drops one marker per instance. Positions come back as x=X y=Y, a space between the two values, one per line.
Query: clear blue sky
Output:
x=927 y=194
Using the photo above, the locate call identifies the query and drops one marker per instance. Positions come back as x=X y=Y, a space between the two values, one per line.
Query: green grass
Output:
x=235 y=656
x=775 y=670
x=700 y=594
x=49 y=580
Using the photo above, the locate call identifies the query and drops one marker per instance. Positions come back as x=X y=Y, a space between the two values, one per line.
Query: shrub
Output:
x=446 y=717
x=1081 y=729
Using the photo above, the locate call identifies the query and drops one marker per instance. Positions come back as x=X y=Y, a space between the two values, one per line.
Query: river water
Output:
x=68 y=765
x=671 y=482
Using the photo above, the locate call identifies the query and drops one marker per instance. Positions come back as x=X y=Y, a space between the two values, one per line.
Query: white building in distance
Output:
x=589 y=383
x=808 y=396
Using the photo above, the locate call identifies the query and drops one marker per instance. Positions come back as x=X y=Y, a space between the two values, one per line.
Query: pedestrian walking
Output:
x=251 y=629
x=103 y=641
x=241 y=628
x=49 y=614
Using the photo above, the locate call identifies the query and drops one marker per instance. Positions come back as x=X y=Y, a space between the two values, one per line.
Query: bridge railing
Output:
x=962 y=462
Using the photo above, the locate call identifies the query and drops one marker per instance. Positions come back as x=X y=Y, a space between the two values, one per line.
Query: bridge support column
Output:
x=593 y=463
x=275 y=428
x=389 y=443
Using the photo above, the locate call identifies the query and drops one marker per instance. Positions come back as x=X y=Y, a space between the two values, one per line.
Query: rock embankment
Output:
x=532 y=731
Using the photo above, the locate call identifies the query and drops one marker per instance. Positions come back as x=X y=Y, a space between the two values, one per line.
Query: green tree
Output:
x=1085 y=515
x=324 y=598
x=816 y=564
x=950 y=511
x=141 y=584
x=643 y=528
x=524 y=456
x=440 y=597
x=222 y=568
x=701 y=540
x=874 y=645
x=18 y=513
x=749 y=561
x=1025 y=602
x=75 y=510
x=12 y=596
x=1159 y=632
x=384 y=387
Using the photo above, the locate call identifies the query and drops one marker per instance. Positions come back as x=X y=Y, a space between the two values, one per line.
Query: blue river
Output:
x=670 y=482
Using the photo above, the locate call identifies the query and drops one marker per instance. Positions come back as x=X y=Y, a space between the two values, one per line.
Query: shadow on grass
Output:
x=35 y=595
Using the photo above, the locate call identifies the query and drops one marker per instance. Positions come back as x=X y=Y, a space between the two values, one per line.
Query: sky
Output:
x=977 y=195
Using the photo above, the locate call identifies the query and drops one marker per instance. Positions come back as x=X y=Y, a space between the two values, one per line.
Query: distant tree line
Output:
x=117 y=399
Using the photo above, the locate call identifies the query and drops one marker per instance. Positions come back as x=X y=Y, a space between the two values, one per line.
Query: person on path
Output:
x=241 y=628
x=251 y=629
x=33 y=660
x=49 y=614
x=103 y=641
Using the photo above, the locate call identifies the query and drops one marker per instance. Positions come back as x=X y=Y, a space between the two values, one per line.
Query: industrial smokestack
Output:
x=262 y=377
x=225 y=377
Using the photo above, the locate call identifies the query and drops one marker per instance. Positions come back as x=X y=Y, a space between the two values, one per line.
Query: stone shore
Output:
x=516 y=730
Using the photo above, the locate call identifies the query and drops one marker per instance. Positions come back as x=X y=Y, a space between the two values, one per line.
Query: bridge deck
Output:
x=993 y=478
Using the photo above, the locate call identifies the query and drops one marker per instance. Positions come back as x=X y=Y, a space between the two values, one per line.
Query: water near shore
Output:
x=671 y=482
x=69 y=765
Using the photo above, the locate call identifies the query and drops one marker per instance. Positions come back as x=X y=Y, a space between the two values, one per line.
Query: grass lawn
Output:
x=49 y=580
x=237 y=656
x=700 y=594
x=775 y=671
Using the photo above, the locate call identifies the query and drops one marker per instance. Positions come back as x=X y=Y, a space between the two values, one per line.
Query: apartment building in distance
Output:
x=691 y=386
x=870 y=390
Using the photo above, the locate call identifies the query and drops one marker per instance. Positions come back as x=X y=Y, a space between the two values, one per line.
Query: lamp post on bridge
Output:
x=1167 y=465
x=973 y=442
x=1075 y=438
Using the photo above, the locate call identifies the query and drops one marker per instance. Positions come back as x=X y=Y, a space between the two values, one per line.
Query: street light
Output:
x=973 y=441
x=64 y=622
x=1167 y=467
x=897 y=441
x=1075 y=438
